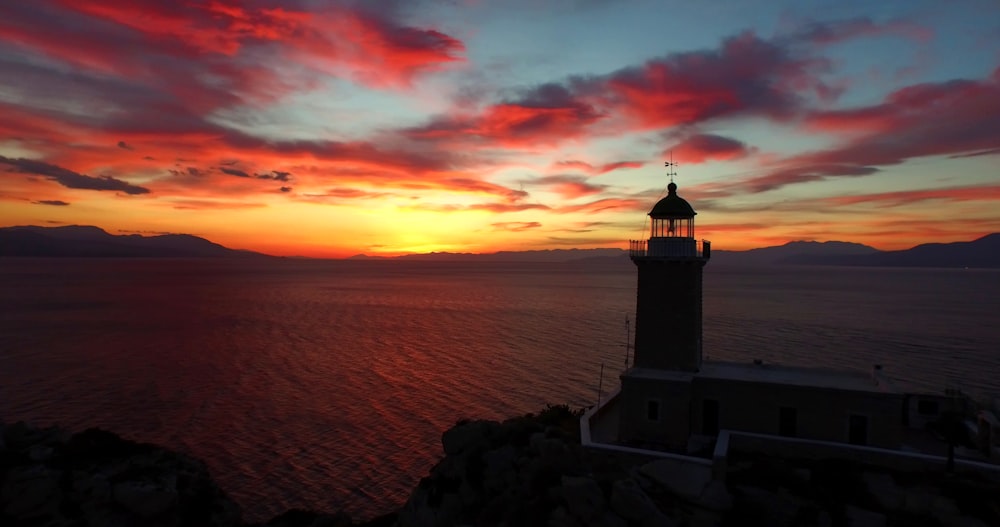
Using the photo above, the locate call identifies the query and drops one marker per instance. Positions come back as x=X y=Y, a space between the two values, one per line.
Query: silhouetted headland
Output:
x=89 y=241
x=529 y=470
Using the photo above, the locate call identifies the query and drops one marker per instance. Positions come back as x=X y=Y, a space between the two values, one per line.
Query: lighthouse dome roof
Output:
x=672 y=205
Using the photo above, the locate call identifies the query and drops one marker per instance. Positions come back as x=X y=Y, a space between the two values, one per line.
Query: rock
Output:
x=499 y=470
x=884 y=490
x=968 y=521
x=630 y=502
x=857 y=517
x=716 y=497
x=917 y=500
x=560 y=517
x=945 y=511
x=39 y=452
x=301 y=518
x=583 y=498
x=535 y=441
x=685 y=480
x=144 y=499
x=773 y=510
x=463 y=436
x=608 y=519
x=28 y=490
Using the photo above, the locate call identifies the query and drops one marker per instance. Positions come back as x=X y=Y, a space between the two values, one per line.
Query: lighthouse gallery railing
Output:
x=670 y=248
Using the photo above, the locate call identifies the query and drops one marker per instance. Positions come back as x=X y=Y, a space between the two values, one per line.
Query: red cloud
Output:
x=569 y=186
x=952 y=118
x=746 y=76
x=605 y=205
x=700 y=148
x=210 y=52
x=546 y=115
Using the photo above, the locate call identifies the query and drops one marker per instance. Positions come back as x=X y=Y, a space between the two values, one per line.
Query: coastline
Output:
x=527 y=470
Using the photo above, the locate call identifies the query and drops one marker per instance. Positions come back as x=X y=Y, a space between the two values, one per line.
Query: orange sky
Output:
x=290 y=129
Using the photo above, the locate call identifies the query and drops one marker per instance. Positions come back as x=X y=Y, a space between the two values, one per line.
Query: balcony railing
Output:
x=670 y=248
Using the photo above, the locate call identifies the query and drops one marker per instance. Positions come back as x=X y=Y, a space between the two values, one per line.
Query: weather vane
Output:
x=670 y=166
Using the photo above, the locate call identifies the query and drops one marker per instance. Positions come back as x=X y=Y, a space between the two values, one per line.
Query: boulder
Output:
x=884 y=490
x=944 y=510
x=685 y=480
x=29 y=490
x=917 y=500
x=498 y=473
x=857 y=517
x=630 y=502
x=560 y=517
x=583 y=498
x=144 y=499
x=301 y=518
x=771 y=509
x=716 y=497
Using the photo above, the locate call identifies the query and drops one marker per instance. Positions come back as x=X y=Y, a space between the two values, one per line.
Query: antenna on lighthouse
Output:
x=670 y=165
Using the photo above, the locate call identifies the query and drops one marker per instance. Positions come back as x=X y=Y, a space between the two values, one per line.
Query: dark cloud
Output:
x=956 y=117
x=234 y=172
x=123 y=144
x=55 y=202
x=286 y=189
x=699 y=148
x=70 y=179
x=276 y=175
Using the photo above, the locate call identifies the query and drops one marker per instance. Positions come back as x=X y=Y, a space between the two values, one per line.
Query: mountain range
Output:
x=88 y=241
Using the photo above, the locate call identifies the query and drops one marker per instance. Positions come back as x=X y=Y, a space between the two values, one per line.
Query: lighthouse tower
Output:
x=668 y=303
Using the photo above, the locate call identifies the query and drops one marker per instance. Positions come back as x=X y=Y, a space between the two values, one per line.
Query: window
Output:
x=927 y=407
x=788 y=421
x=710 y=417
x=653 y=410
x=857 y=430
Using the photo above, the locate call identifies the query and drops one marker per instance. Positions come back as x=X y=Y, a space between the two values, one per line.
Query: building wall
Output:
x=668 y=314
x=670 y=429
x=821 y=413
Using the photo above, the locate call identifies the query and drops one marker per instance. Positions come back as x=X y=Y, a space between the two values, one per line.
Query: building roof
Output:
x=794 y=375
x=672 y=205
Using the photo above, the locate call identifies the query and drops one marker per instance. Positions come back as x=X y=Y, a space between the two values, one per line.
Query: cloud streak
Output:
x=70 y=179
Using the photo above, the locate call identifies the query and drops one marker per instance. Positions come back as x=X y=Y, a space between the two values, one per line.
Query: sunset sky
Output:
x=330 y=128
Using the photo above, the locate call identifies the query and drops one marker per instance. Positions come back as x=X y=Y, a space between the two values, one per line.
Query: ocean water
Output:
x=327 y=384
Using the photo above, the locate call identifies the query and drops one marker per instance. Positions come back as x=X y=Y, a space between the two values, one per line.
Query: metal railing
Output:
x=670 y=248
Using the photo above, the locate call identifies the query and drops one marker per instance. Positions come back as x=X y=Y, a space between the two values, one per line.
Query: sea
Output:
x=326 y=384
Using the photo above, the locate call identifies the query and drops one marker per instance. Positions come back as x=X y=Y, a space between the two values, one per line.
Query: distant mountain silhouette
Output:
x=795 y=253
x=983 y=253
x=86 y=241
x=550 y=255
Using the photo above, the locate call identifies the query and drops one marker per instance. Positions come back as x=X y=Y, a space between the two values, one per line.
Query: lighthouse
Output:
x=668 y=296
x=669 y=395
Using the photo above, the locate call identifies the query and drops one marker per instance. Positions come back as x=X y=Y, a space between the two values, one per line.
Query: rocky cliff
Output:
x=528 y=470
